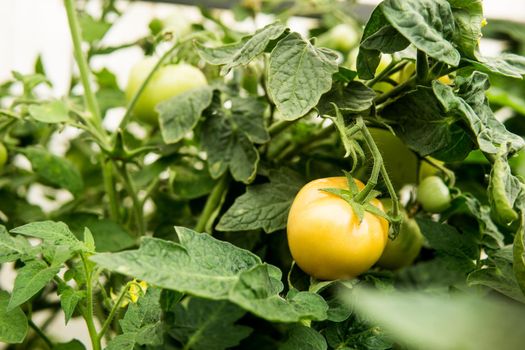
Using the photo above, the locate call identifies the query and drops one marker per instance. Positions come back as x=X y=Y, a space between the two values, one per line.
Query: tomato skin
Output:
x=325 y=237
x=3 y=156
x=433 y=194
x=168 y=81
x=402 y=251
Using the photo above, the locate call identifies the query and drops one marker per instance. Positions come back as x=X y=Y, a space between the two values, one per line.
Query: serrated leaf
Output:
x=228 y=148
x=304 y=338
x=55 y=170
x=298 y=74
x=413 y=112
x=506 y=64
x=13 y=322
x=30 y=279
x=206 y=267
x=197 y=323
x=368 y=60
x=468 y=16
x=69 y=299
x=263 y=206
x=13 y=248
x=247 y=114
x=243 y=51
x=51 y=112
x=518 y=255
x=180 y=114
x=54 y=233
x=428 y=24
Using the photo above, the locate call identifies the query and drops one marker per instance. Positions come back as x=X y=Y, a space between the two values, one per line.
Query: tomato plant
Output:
x=327 y=239
x=3 y=155
x=203 y=206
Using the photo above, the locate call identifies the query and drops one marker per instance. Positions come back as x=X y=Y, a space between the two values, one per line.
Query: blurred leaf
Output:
x=506 y=64
x=52 y=112
x=55 y=170
x=189 y=182
x=93 y=30
x=368 y=60
x=304 y=338
x=439 y=322
x=70 y=345
x=13 y=323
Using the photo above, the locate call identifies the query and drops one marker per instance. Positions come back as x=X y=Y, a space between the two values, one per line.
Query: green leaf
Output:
x=414 y=112
x=447 y=240
x=386 y=40
x=70 y=345
x=503 y=190
x=108 y=235
x=518 y=255
x=69 y=298
x=498 y=274
x=304 y=338
x=13 y=248
x=189 y=182
x=13 y=322
x=54 y=233
x=93 y=30
x=471 y=104
x=353 y=98
x=368 y=60
x=180 y=114
x=428 y=24
x=228 y=148
x=247 y=114
x=263 y=206
x=197 y=324
x=298 y=74
x=468 y=16
x=55 y=170
x=506 y=64
x=141 y=325
x=245 y=50
x=30 y=279
x=208 y=268
x=421 y=320
x=51 y=112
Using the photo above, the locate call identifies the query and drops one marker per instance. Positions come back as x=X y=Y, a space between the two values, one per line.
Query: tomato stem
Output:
x=421 y=67
x=213 y=202
x=114 y=310
x=88 y=314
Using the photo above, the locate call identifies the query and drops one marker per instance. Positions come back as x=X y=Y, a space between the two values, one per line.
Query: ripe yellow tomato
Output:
x=325 y=237
x=168 y=81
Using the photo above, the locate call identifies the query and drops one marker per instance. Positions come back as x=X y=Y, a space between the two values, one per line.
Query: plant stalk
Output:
x=213 y=201
x=88 y=314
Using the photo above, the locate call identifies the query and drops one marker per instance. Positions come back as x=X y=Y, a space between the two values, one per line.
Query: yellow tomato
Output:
x=325 y=237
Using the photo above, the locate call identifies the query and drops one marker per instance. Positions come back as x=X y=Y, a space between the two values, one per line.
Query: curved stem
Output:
x=41 y=334
x=378 y=162
x=213 y=201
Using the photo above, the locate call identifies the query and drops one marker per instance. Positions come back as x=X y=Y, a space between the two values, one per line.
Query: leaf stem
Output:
x=107 y=170
x=41 y=334
x=394 y=91
x=113 y=311
x=88 y=314
x=378 y=161
x=138 y=211
x=213 y=201
x=279 y=126
x=421 y=67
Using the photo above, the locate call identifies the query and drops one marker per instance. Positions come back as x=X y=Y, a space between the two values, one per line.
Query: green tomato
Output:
x=433 y=194
x=168 y=81
x=402 y=251
x=3 y=156
x=342 y=38
x=400 y=162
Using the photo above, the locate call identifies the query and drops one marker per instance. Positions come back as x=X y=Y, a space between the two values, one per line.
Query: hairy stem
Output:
x=88 y=312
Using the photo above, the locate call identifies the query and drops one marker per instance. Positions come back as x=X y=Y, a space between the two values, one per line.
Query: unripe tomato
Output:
x=3 y=156
x=325 y=237
x=433 y=194
x=405 y=248
x=400 y=162
x=168 y=81
x=342 y=38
